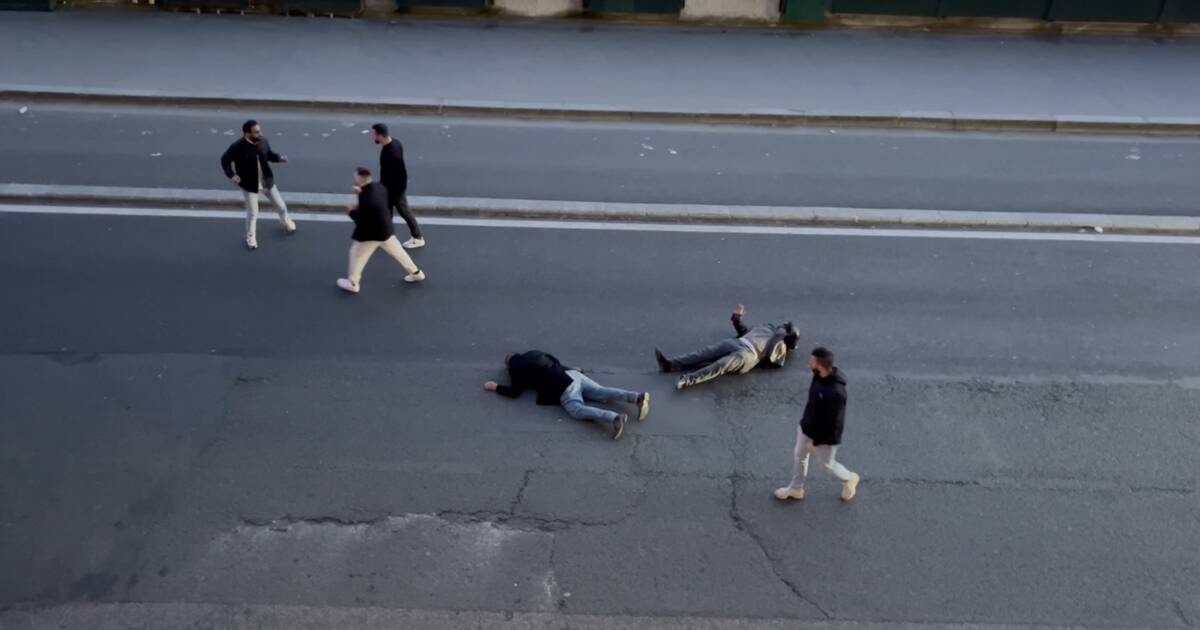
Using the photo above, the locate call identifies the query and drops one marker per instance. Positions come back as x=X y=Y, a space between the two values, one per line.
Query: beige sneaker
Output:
x=413 y=243
x=415 y=277
x=789 y=494
x=643 y=404
x=289 y=226
x=346 y=285
x=850 y=488
x=251 y=242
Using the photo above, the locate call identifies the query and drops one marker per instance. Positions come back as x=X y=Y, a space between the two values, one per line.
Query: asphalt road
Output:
x=188 y=423
x=590 y=64
x=176 y=148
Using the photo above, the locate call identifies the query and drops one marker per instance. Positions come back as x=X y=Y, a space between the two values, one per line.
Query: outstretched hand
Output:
x=740 y=310
x=490 y=386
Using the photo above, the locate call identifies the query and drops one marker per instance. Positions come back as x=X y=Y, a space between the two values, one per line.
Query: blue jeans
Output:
x=583 y=389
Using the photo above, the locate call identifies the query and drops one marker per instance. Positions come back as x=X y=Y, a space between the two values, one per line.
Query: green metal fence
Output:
x=1146 y=11
x=464 y=4
x=633 y=6
x=1033 y=9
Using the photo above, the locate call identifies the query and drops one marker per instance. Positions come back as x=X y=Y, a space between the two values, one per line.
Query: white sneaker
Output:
x=414 y=243
x=415 y=277
x=251 y=242
x=346 y=285
x=850 y=488
x=289 y=226
x=789 y=494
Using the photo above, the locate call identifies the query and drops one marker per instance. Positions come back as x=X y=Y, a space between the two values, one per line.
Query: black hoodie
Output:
x=825 y=414
x=540 y=372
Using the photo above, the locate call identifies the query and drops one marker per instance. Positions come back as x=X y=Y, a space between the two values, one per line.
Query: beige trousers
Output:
x=361 y=251
x=276 y=199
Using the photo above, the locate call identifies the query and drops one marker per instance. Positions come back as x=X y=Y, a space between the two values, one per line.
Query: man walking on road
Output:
x=247 y=163
x=767 y=344
x=372 y=231
x=394 y=176
x=556 y=384
x=820 y=429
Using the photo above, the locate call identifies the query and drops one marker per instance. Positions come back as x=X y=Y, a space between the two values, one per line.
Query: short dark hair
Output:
x=248 y=125
x=792 y=338
x=380 y=129
x=824 y=357
x=363 y=171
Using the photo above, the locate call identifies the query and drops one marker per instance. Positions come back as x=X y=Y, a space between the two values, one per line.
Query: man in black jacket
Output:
x=394 y=176
x=372 y=231
x=556 y=384
x=820 y=429
x=247 y=163
x=765 y=344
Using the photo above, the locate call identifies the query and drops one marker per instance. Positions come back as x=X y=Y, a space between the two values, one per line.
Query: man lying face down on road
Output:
x=556 y=384
x=765 y=344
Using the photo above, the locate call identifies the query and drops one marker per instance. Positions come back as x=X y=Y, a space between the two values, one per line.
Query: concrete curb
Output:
x=937 y=120
x=605 y=211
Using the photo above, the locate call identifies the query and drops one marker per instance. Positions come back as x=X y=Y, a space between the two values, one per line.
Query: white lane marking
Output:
x=692 y=228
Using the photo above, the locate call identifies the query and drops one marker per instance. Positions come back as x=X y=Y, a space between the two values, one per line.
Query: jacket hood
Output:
x=836 y=376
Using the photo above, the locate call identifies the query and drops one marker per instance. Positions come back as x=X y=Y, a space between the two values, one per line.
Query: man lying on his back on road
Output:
x=556 y=384
x=767 y=344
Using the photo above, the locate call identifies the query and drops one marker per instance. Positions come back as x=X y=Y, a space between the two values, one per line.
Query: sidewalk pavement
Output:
x=29 y=196
x=583 y=70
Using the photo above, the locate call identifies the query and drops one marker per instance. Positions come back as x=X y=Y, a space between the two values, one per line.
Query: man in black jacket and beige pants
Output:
x=821 y=429
x=247 y=163
x=373 y=230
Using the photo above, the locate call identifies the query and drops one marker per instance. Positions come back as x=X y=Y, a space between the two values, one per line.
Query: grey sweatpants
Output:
x=826 y=453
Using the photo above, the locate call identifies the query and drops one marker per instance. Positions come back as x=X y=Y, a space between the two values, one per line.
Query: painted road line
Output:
x=525 y=224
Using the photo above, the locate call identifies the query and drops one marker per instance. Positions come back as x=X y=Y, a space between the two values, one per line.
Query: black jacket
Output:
x=392 y=173
x=768 y=340
x=242 y=159
x=538 y=371
x=372 y=218
x=825 y=414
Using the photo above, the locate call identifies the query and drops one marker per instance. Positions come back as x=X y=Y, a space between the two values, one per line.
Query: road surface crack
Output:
x=773 y=563
x=287 y=520
x=1177 y=606
x=512 y=509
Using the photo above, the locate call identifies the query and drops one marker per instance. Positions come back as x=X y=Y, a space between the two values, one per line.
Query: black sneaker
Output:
x=618 y=426
x=663 y=363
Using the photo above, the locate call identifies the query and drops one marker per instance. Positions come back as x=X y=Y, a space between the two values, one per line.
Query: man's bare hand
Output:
x=490 y=386
x=356 y=189
x=237 y=181
x=283 y=159
x=740 y=310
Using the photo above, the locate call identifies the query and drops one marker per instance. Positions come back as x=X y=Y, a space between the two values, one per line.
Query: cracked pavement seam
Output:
x=773 y=563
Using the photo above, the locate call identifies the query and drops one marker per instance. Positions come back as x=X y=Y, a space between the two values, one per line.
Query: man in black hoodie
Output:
x=821 y=429
x=372 y=231
x=556 y=384
x=765 y=344
x=247 y=163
